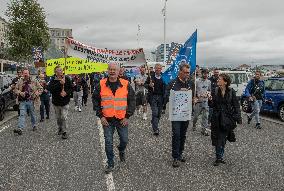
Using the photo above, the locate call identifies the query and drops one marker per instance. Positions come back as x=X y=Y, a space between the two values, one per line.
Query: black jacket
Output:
x=151 y=91
x=226 y=113
x=55 y=88
x=96 y=99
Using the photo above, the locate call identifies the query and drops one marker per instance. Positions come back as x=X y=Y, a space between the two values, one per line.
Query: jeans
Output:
x=24 y=107
x=219 y=152
x=255 y=110
x=78 y=98
x=44 y=104
x=61 y=113
x=108 y=134
x=201 y=108
x=156 y=107
x=179 y=129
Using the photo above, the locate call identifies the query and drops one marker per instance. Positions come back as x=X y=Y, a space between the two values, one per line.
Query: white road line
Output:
x=109 y=177
x=5 y=127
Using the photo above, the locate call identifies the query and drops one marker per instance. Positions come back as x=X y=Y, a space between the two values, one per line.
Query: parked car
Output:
x=274 y=98
x=7 y=100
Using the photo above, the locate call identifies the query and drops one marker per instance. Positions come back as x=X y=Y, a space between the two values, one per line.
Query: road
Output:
x=41 y=160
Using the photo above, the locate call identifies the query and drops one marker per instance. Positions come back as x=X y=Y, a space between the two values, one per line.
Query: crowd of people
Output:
x=116 y=97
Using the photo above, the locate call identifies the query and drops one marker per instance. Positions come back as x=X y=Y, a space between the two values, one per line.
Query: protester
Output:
x=77 y=93
x=203 y=91
x=141 y=92
x=44 y=98
x=214 y=80
x=226 y=113
x=61 y=88
x=156 y=92
x=85 y=87
x=122 y=74
x=28 y=92
x=114 y=102
x=255 y=90
x=13 y=86
x=179 y=128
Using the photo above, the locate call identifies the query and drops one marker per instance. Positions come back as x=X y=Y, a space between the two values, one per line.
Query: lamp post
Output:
x=164 y=14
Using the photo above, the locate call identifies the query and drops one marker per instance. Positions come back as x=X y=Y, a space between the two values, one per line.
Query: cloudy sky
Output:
x=230 y=32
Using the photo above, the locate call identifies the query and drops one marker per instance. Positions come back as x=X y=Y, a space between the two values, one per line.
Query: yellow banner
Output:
x=74 y=66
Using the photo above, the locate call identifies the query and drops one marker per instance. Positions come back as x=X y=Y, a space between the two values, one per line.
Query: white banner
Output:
x=180 y=105
x=129 y=57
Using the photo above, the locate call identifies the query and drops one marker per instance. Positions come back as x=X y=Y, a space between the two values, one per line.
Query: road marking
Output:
x=5 y=127
x=109 y=177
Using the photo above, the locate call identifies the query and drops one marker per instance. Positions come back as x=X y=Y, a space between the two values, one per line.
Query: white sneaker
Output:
x=79 y=109
x=144 y=116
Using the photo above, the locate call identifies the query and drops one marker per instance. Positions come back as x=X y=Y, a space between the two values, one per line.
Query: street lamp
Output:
x=164 y=14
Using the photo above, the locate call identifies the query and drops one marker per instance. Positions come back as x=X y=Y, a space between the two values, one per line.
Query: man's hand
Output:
x=151 y=84
x=104 y=122
x=195 y=100
x=124 y=122
x=63 y=93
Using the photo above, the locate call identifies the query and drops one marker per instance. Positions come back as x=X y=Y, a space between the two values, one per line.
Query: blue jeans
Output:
x=219 y=152
x=108 y=134
x=179 y=129
x=44 y=104
x=156 y=107
x=256 y=110
x=24 y=106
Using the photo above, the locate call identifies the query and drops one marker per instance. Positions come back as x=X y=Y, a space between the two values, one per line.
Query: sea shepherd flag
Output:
x=187 y=53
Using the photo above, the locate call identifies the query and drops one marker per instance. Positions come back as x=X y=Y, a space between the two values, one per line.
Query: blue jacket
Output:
x=250 y=88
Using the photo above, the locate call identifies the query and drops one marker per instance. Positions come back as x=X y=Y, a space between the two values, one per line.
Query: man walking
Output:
x=61 y=88
x=179 y=128
x=255 y=90
x=114 y=102
x=44 y=98
x=156 y=92
x=203 y=91
x=213 y=79
x=28 y=92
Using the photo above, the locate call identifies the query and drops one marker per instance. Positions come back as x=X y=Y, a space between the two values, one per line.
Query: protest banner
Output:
x=180 y=105
x=128 y=57
x=75 y=66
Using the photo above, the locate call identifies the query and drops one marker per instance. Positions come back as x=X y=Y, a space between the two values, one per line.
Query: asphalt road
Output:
x=41 y=160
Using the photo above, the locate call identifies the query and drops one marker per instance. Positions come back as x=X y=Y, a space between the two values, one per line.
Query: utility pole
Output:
x=164 y=11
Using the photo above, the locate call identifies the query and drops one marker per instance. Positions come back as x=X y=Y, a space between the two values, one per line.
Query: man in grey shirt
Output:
x=203 y=91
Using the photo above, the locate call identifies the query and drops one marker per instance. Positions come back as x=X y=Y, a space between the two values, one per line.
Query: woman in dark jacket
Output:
x=226 y=113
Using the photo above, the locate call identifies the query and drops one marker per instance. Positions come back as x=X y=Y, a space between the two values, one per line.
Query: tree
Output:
x=27 y=28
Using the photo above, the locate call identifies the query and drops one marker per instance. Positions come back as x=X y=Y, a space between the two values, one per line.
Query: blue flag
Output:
x=187 y=53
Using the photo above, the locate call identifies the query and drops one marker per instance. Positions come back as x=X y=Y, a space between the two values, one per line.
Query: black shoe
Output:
x=249 y=120
x=64 y=135
x=34 y=128
x=182 y=159
x=41 y=120
x=218 y=162
x=156 y=133
x=176 y=163
x=258 y=126
x=18 y=131
x=60 y=132
x=109 y=169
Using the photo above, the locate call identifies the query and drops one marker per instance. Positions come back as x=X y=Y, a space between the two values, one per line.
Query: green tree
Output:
x=27 y=28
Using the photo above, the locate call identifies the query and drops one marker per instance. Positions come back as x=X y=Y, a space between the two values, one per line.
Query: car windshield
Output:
x=238 y=78
x=274 y=85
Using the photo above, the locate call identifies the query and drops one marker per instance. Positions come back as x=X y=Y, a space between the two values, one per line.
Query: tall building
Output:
x=160 y=51
x=3 y=32
x=58 y=36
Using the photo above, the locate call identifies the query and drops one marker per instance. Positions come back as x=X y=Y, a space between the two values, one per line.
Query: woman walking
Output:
x=226 y=113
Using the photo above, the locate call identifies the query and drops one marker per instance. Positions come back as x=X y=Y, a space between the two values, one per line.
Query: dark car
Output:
x=274 y=98
x=7 y=100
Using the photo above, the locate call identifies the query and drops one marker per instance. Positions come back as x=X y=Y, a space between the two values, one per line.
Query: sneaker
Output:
x=218 y=162
x=18 y=131
x=109 y=169
x=258 y=126
x=64 y=135
x=176 y=163
x=156 y=133
x=144 y=116
x=41 y=120
x=182 y=159
x=79 y=109
x=34 y=128
x=249 y=120
x=60 y=132
x=204 y=132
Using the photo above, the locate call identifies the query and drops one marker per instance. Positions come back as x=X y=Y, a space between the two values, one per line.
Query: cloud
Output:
x=229 y=31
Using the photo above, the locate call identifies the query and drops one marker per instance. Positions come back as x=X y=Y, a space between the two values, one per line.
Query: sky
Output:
x=230 y=32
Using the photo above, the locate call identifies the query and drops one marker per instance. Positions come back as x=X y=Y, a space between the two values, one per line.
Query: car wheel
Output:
x=281 y=112
x=245 y=106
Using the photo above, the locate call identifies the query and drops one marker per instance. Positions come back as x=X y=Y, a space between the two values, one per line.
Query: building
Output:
x=58 y=37
x=150 y=56
x=272 y=67
x=243 y=67
x=3 y=32
x=169 y=50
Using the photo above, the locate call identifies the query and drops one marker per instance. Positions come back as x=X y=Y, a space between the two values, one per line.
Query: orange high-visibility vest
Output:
x=114 y=105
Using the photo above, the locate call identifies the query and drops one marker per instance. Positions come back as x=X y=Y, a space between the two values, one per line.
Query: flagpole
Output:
x=164 y=13
x=138 y=35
